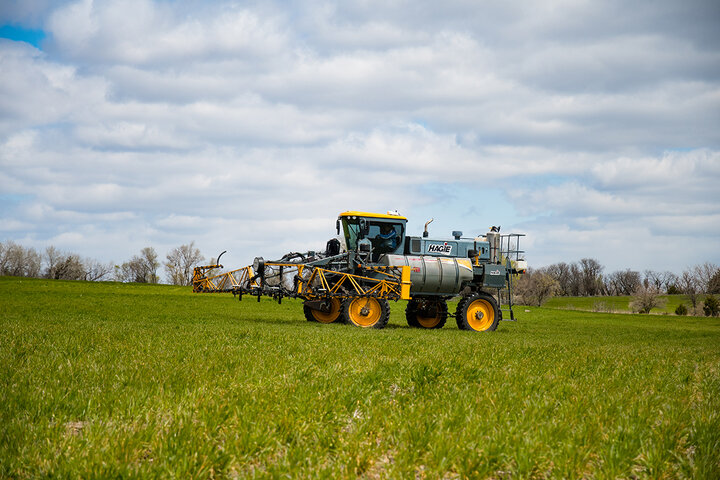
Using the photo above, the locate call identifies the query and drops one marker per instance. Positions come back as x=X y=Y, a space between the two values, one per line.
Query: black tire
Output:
x=426 y=313
x=366 y=312
x=478 y=312
x=322 y=317
x=411 y=314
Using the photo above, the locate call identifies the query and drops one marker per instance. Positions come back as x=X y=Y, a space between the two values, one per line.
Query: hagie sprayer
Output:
x=372 y=261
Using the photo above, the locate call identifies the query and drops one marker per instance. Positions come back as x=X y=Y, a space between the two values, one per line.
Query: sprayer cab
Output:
x=376 y=232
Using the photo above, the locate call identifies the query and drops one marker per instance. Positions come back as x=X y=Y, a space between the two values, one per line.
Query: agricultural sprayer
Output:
x=372 y=261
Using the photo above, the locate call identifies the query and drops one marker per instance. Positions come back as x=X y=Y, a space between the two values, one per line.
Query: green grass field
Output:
x=116 y=380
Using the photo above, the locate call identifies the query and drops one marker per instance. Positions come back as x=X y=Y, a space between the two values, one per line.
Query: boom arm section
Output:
x=305 y=280
x=222 y=283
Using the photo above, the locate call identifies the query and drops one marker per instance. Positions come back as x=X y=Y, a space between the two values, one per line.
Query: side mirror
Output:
x=364 y=227
x=259 y=266
x=337 y=226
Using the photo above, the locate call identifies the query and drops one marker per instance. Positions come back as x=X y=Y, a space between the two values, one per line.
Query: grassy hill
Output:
x=107 y=380
x=617 y=304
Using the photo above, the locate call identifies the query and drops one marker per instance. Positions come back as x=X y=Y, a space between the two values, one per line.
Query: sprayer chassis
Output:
x=378 y=264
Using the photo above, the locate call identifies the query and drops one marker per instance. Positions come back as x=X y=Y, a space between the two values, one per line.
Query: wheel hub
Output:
x=365 y=311
x=479 y=315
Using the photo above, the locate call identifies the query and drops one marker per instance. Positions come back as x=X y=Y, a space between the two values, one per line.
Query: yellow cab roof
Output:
x=372 y=215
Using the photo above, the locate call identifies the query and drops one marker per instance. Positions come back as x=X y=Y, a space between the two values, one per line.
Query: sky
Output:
x=592 y=127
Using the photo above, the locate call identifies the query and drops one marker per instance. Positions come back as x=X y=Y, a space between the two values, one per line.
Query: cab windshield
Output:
x=385 y=236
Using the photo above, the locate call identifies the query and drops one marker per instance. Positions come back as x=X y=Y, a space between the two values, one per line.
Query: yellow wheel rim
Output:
x=480 y=315
x=364 y=312
x=329 y=317
x=429 y=322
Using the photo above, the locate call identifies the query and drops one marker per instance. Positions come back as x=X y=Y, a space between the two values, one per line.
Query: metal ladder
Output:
x=510 y=252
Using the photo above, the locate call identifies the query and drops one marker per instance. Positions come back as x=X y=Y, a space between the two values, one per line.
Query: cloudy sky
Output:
x=593 y=127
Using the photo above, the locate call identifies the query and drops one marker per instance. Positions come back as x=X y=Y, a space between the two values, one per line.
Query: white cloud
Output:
x=27 y=12
x=35 y=91
x=683 y=184
x=694 y=170
x=250 y=127
x=142 y=32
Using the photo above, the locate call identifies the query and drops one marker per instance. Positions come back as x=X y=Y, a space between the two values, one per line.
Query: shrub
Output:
x=646 y=298
x=601 y=306
x=711 y=306
x=681 y=310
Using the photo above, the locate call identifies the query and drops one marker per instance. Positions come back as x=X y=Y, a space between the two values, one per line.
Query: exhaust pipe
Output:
x=425 y=232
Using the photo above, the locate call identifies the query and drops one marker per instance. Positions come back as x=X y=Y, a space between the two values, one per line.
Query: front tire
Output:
x=366 y=312
x=478 y=312
x=426 y=313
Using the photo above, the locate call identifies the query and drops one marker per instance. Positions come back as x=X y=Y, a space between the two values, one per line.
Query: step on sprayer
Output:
x=372 y=261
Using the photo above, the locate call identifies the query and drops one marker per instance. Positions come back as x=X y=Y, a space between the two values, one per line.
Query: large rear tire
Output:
x=426 y=313
x=478 y=312
x=366 y=312
x=324 y=317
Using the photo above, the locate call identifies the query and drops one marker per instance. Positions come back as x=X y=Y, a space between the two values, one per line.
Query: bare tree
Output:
x=53 y=257
x=96 y=271
x=669 y=279
x=140 y=268
x=569 y=278
x=714 y=285
x=704 y=273
x=561 y=272
x=118 y=273
x=575 y=284
x=70 y=267
x=18 y=261
x=133 y=271
x=661 y=280
x=63 y=266
x=180 y=263
x=689 y=286
x=591 y=276
x=33 y=263
x=646 y=298
x=536 y=287
x=150 y=260
x=623 y=282
x=4 y=258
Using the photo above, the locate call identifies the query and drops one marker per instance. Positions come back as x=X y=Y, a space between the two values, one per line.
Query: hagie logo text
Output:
x=445 y=249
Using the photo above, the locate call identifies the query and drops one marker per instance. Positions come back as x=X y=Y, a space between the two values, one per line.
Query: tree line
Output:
x=19 y=261
x=586 y=278
x=581 y=278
